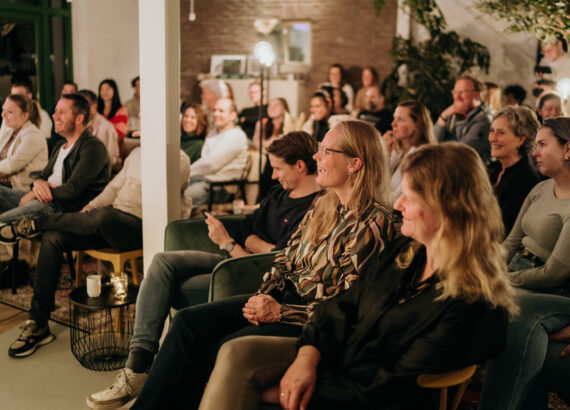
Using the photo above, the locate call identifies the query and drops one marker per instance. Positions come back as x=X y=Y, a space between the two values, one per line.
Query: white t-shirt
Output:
x=56 y=177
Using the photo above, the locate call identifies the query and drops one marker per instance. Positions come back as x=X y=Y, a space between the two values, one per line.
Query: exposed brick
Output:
x=343 y=31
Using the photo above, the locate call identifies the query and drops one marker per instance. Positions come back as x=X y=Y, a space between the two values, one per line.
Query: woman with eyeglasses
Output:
x=511 y=137
x=539 y=263
x=346 y=227
x=431 y=305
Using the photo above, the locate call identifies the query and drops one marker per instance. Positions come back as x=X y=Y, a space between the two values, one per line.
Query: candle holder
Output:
x=120 y=282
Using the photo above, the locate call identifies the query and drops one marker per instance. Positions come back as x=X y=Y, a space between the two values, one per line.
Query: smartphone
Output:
x=207 y=214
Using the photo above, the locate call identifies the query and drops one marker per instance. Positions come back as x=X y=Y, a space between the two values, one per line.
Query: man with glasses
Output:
x=467 y=120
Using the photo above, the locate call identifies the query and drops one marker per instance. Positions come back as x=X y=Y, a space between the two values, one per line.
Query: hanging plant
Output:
x=546 y=19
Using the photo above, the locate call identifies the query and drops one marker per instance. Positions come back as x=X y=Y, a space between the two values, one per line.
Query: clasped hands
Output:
x=40 y=191
x=262 y=309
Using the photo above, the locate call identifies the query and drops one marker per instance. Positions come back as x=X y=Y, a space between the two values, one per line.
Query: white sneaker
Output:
x=127 y=386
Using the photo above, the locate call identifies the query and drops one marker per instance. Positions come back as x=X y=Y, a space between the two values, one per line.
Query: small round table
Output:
x=101 y=327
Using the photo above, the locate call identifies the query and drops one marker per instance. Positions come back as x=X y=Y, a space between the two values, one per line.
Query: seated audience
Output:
x=248 y=117
x=102 y=128
x=467 y=120
x=512 y=137
x=556 y=57
x=345 y=228
x=539 y=261
x=110 y=220
x=279 y=122
x=133 y=107
x=440 y=305
x=412 y=127
x=109 y=106
x=492 y=97
x=537 y=244
x=369 y=78
x=336 y=78
x=69 y=87
x=549 y=105
x=77 y=170
x=514 y=94
x=212 y=91
x=223 y=157
x=23 y=148
x=318 y=123
x=23 y=86
x=194 y=128
x=374 y=112
x=180 y=278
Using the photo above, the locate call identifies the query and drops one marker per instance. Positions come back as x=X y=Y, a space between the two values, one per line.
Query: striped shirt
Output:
x=323 y=270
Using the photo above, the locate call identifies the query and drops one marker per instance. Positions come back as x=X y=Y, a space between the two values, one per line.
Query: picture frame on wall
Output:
x=228 y=64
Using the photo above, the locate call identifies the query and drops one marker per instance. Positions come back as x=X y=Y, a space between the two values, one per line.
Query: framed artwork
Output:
x=228 y=64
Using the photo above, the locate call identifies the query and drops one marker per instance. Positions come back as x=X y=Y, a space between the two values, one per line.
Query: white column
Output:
x=159 y=34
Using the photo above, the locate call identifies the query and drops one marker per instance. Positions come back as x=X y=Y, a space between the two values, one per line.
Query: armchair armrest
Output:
x=192 y=234
x=239 y=276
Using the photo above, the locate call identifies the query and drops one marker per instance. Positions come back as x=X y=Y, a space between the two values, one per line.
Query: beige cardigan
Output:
x=27 y=154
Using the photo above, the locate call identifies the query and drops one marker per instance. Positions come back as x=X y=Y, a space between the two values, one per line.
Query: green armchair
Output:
x=231 y=276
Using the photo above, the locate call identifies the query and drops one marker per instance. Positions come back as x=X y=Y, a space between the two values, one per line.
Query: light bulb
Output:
x=192 y=16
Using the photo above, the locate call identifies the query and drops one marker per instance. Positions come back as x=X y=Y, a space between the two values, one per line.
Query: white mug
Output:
x=93 y=286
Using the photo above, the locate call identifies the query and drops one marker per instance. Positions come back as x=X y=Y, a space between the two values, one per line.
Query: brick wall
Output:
x=343 y=31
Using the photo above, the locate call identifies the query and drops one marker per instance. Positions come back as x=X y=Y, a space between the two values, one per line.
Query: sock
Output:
x=139 y=360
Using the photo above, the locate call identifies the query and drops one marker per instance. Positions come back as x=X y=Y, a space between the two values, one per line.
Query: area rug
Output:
x=61 y=315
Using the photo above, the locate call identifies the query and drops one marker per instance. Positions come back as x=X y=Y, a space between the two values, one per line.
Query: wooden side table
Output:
x=102 y=327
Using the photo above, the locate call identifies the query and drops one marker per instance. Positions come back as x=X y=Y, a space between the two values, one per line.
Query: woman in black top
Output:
x=512 y=136
x=437 y=303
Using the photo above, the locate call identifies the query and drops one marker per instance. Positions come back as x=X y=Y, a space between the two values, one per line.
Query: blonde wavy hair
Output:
x=424 y=125
x=453 y=181
x=370 y=183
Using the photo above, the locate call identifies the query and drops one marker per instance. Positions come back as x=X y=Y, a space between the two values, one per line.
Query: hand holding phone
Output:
x=207 y=214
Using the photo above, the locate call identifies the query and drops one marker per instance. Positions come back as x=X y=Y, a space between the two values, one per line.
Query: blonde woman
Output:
x=440 y=305
x=23 y=149
x=346 y=227
x=411 y=127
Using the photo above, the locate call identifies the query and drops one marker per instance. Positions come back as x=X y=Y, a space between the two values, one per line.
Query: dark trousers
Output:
x=186 y=358
x=99 y=228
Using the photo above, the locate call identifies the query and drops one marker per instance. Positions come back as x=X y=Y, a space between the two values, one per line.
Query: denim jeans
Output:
x=10 y=210
x=177 y=377
x=179 y=279
x=530 y=365
x=100 y=228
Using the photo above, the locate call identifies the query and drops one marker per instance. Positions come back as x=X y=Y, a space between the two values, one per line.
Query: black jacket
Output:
x=86 y=171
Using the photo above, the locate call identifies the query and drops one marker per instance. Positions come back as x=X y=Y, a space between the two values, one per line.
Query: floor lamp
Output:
x=266 y=57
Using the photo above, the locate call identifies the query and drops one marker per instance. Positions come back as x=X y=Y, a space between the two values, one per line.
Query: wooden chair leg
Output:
x=135 y=271
x=79 y=269
x=15 y=257
x=443 y=399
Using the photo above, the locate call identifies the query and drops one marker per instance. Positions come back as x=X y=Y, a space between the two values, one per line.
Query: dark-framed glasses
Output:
x=327 y=151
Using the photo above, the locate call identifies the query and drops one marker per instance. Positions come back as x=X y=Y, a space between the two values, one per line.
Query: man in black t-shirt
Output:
x=186 y=273
x=374 y=112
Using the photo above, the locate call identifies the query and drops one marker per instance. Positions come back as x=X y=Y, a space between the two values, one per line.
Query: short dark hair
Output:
x=517 y=92
x=295 y=146
x=27 y=84
x=79 y=106
x=89 y=95
x=134 y=80
x=71 y=83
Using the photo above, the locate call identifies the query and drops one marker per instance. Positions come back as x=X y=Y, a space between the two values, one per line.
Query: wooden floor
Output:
x=10 y=317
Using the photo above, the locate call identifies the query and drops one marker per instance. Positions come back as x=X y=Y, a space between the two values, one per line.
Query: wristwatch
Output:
x=229 y=246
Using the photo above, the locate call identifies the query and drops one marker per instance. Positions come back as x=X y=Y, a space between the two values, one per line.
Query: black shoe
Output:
x=11 y=232
x=32 y=337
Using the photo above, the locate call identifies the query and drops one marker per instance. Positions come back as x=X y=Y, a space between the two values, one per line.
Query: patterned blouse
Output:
x=323 y=270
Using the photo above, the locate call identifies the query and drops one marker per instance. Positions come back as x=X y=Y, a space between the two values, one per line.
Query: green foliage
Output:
x=431 y=66
x=544 y=18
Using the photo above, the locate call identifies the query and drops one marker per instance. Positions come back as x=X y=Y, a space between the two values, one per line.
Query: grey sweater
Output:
x=543 y=227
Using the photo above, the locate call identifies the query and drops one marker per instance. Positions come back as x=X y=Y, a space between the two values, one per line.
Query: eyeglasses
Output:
x=461 y=92
x=327 y=151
